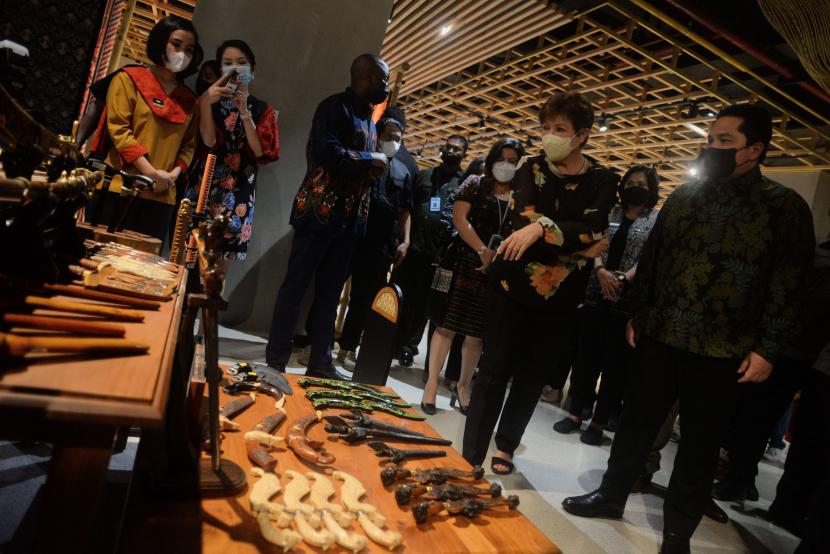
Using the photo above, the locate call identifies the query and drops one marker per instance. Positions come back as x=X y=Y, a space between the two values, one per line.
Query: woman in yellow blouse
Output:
x=149 y=126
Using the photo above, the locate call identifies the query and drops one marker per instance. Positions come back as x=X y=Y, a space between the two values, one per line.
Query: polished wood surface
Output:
x=128 y=390
x=228 y=525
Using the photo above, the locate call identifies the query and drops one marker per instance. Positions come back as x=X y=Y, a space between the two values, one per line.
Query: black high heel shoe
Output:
x=428 y=409
x=454 y=396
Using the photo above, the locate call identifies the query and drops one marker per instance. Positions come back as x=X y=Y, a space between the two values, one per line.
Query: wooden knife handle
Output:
x=270 y=423
x=80 y=292
x=64 y=325
x=258 y=455
x=80 y=308
x=89 y=264
x=234 y=407
x=16 y=346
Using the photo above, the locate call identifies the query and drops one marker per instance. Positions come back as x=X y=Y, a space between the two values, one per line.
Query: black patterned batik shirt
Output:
x=720 y=273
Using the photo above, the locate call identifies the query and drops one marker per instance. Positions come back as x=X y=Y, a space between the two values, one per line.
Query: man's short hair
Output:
x=756 y=124
x=460 y=138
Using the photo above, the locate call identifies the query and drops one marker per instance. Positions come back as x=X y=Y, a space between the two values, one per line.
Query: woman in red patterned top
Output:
x=242 y=131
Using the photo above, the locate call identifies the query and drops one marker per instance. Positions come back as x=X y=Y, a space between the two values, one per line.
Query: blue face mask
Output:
x=245 y=73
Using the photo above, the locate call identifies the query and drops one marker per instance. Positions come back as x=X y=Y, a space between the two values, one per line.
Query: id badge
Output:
x=435 y=204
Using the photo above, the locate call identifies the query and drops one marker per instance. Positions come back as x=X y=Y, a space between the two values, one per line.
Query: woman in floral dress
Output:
x=242 y=131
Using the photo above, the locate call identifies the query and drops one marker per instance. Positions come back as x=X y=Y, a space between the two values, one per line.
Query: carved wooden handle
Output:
x=17 y=346
x=79 y=308
x=80 y=292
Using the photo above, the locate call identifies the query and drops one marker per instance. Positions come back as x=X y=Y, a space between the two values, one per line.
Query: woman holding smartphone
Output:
x=480 y=215
x=242 y=131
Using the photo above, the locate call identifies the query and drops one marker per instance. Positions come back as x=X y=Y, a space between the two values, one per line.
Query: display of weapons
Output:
x=383 y=450
x=468 y=507
x=307 y=382
x=354 y=433
x=131 y=187
x=177 y=246
x=106 y=279
x=354 y=394
x=201 y=205
x=448 y=491
x=101 y=295
x=365 y=406
x=256 y=453
x=17 y=346
x=245 y=371
x=133 y=266
x=231 y=410
x=359 y=419
x=123 y=251
x=302 y=446
x=61 y=325
x=239 y=387
x=31 y=302
x=433 y=476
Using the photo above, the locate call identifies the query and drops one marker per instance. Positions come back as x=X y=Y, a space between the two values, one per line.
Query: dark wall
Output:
x=60 y=36
x=303 y=50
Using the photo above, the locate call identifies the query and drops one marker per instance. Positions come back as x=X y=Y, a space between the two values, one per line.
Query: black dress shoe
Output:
x=326 y=373
x=275 y=364
x=566 y=426
x=592 y=435
x=406 y=359
x=729 y=491
x=674 y=544
x=594 y=504
x=713 y=511
x=428 y=409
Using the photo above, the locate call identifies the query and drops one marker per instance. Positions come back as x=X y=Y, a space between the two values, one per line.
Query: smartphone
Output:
x=233 y=81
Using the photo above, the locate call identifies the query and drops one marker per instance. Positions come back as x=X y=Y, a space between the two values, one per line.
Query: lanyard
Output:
x=502 y=218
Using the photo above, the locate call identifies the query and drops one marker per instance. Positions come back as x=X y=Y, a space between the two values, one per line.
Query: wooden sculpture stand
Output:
x=217 y=477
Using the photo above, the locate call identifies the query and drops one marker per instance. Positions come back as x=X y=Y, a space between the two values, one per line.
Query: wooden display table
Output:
x=228 y=525
x=77 y=403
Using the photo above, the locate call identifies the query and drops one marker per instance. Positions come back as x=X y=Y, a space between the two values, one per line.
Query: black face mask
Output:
x=719 y=162
x=451 y=160
x=201 y=86
x=635 y=196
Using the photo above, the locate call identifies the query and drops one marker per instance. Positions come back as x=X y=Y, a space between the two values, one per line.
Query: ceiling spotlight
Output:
x=445 y=30
x=693 y=171
x=710 y=113
x=603 y=123
x=696 y=129
x=482 y=123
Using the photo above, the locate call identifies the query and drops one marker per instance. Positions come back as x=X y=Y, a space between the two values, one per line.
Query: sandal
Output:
x=495 y=460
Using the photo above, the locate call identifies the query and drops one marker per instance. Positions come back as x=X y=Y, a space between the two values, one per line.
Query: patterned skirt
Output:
x=462 y=307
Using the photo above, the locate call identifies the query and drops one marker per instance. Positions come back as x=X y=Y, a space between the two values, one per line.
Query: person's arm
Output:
x=267 y=136
x=89 y=121
x=328 y=151
x=405 y=224
x=215 y=92
x=792 y=260
x=574 y=235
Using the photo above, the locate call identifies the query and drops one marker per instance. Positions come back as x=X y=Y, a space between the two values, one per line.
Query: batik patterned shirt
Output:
x=720 y=273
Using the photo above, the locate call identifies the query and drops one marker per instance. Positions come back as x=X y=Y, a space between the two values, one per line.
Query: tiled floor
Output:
x=551 y=466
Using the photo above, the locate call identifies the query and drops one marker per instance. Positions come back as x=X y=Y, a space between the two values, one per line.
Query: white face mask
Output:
x=177 y=61
x=389 y=147
x=504 y=171
x=556 y=148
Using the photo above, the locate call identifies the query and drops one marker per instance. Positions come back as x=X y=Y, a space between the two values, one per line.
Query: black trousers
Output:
x=758 y=408
x=801 y=498
x=368 y=270
x=602 y=350
x=518 y=345
x=706 y=390
x=414 y=277
x=144 y=216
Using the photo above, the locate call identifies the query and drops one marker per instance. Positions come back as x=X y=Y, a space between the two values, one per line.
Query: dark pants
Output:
x=602 y=350
x=453 y=371
x=368 y=270
x=663 y=437
x=565 y=358
x=801 y=498
x=518 y=344
x=705 y=388
x=758 y=408
x=324 y=256
x=414 y=277
x=144 y=216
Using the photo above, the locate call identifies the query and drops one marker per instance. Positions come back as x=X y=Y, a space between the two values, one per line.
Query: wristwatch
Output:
x=621 y=277
x=482 y=249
